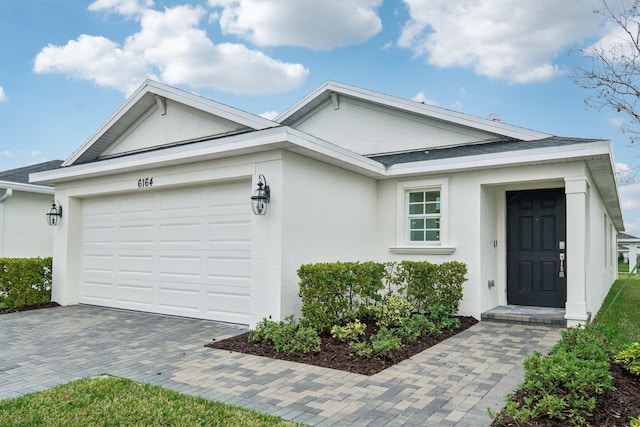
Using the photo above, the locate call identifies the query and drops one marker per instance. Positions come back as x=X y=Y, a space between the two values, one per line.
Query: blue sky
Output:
x=67 y=65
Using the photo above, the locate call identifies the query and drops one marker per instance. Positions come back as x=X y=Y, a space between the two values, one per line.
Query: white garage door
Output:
x=184 y=252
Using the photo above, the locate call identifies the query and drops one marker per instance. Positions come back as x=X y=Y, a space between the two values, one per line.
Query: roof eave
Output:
x=27 y=188
x=325 y=90
x=152 y=88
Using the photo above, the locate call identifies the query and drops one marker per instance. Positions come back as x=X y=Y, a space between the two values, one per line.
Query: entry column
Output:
x=577 y=191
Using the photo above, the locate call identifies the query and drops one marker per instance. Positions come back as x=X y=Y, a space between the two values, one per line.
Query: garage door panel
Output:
x=184 y=252
x=139 y=234
x=98 y=292
x=181 y=233
x=134 y=292
x=136 y=265
x=136 y=204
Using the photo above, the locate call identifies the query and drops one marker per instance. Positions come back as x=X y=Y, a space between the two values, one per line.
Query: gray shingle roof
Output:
x=475 y=149
x=21 y=175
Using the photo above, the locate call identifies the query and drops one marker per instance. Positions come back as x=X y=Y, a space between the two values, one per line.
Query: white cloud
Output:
x=3 y=95
x=421 y=97
x=7 y=153
x=269 y=115
x=500 y=39
x=170 y=47
x=123 y=7
x=313 y=24
x=630 y=196
x=96 y=59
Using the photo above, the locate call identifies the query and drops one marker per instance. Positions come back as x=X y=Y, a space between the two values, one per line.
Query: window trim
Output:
x=403 y=244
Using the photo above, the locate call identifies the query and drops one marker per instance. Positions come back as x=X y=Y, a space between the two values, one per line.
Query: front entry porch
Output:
x=547 y=316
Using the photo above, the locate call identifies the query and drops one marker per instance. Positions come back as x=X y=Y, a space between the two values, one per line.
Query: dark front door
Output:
x=536 y=263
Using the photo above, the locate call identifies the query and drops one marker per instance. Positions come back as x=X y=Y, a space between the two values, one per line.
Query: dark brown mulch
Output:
x=338 y=355
x=29 y=307
x=613 y=409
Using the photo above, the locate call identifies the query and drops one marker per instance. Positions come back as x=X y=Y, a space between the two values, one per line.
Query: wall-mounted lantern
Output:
x=261 y=196
x=54 y=214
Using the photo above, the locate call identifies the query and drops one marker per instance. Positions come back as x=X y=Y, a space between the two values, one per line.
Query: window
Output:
x=424 y=216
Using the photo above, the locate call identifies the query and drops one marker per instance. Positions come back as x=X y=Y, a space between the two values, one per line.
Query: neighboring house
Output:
x=157 y=213
x=628 y=246
x=24 y=231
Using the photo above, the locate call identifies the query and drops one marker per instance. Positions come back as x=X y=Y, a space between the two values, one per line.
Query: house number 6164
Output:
x=145 y=182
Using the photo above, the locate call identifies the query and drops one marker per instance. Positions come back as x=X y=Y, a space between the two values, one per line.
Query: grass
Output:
x=111 y=401
x=619 y=317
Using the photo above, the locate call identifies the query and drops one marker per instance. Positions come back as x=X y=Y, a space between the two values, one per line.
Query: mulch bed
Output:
x=30 y=307
x=613 y=409
x=338 y=355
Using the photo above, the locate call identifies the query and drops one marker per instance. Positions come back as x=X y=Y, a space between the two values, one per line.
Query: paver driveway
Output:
x=449 y=384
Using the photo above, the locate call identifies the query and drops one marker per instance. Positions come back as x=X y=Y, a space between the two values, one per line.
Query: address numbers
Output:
x=145 y=182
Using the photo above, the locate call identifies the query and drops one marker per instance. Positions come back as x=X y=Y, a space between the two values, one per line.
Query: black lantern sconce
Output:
x=261 y=196
x=54 y=214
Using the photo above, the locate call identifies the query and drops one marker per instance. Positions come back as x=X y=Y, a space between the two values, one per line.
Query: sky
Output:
x=67 y=65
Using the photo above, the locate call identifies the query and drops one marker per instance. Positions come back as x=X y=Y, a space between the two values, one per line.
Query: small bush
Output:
x=333 y=293
x=414 y=327
x=428 y=285
x=629 y=358
x=25 y=281
x=350 y=332
x=391 y=311
x=286 y=336
x=385 y=341
x=564 y=384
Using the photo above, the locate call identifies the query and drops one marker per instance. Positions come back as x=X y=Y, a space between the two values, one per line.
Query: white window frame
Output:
x=403 y=243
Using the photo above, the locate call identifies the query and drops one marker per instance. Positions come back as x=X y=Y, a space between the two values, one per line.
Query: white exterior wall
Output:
x=477 y=230
x=25 y=232
x=368 y=129
x=602 y=260
x=329 y=215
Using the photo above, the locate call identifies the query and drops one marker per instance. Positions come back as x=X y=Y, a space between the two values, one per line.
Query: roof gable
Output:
x=369 y=122
x=158 y=115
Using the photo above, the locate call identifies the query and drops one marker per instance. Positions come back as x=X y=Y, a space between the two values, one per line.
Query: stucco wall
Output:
x=477 y=229
x=328 y=215
x=367 y=129
x=25 y=232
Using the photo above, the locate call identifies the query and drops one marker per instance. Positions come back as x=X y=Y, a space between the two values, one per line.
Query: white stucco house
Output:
x=24 y=232
x=157 y=210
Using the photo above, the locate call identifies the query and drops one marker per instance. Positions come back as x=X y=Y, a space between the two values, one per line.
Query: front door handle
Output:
x=561 y=274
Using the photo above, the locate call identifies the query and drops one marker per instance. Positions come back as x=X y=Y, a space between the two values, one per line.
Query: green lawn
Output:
x=110 y=401
x=619 y=317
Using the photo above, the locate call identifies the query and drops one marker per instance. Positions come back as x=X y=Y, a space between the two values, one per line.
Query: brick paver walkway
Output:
x=450 y=384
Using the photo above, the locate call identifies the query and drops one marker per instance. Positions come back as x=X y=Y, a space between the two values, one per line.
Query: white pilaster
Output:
x=576 y=189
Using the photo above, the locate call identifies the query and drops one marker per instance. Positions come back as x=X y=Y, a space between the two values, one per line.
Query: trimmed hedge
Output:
x=25 y=281
x=336 y=293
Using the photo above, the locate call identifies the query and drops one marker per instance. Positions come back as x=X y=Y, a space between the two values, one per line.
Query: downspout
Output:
x=8 y=193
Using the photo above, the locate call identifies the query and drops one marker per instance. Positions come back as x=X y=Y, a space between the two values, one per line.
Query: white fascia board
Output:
x=305 y=143
x=247 y=119
x=505 y=159
x=254 y=142
x=415 y=107
x=27 y=188
x=204 y=104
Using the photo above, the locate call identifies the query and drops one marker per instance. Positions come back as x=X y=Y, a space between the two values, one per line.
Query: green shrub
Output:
x=629 y=358
x=391 y=311
x=349 y=332
x=414 y=327
x=564 y=384
x=333 y=293
x=429 y=285
x=25 y=281
x=385 y=341
x=635 y=421
x=286 y=336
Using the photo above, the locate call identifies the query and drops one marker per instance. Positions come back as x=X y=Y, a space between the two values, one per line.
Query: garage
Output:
x=183 y=251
